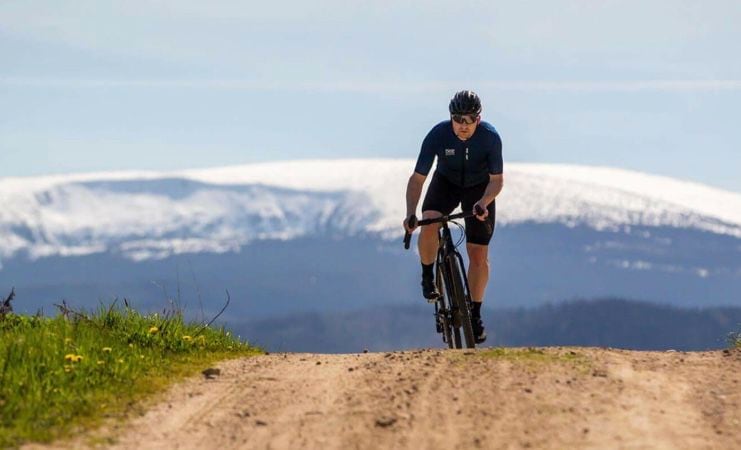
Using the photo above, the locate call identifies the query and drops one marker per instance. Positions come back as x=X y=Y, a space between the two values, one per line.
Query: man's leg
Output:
x=428 y=244
x=478 y=270
x=441 y=198
x=428 y=239
x=478 y=277
x=478 y=236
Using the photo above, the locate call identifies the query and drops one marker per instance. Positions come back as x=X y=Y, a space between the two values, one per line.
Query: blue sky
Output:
x=653 y=86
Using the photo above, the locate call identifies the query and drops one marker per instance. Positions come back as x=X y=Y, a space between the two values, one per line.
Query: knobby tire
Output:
x=443 y=307
x=461 y=304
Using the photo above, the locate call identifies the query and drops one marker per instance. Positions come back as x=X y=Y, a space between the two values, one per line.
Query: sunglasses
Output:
x=466 y=119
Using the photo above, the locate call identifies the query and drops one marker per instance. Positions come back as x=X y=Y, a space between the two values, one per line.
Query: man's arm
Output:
x=424 y=163
x=414 y=192
x=496 y=183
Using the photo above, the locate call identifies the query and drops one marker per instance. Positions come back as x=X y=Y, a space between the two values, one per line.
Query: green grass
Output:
x=61 y=375
x=531 y=355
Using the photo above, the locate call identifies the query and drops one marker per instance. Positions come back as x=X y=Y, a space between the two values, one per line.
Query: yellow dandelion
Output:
x=70 y=357
x=107 y=349
x=101 y=362
x=187 y=338
x=153 y=330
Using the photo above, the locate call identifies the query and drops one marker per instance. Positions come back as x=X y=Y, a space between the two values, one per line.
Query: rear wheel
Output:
x=459 y=302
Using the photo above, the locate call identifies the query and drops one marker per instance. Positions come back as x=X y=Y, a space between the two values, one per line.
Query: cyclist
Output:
x=469 y=172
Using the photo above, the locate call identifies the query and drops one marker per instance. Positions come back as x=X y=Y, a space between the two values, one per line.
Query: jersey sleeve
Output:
x=426 y=154
x=496 y=165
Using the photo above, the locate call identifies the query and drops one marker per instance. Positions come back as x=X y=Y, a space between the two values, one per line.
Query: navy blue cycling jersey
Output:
x=464 y=163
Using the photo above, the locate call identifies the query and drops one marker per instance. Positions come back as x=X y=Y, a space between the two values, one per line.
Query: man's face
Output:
x=464 y=125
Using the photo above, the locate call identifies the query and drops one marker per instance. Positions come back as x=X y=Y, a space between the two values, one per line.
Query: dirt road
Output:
x=516 y=398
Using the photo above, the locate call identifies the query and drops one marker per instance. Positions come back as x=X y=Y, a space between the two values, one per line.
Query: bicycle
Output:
x=453 y=306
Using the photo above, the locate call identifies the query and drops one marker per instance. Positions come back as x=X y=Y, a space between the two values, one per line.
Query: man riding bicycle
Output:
x=470 y=173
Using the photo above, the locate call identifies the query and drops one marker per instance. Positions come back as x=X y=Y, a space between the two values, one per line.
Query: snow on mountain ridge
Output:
x=152 y=215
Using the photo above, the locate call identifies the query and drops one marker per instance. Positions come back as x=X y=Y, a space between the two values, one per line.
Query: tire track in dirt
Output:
x=431 y=418
x=651 y=405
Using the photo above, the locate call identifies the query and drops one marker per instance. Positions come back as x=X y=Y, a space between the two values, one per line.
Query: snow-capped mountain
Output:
x=151 y=215
x=289 y=237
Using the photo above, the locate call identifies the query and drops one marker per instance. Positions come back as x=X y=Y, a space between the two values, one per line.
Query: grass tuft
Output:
x=734 y=339
x=532 y=355
x=63 y=374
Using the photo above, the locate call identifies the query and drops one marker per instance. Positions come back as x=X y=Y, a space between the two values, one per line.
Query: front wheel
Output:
x=459 y=305
x=443 y=308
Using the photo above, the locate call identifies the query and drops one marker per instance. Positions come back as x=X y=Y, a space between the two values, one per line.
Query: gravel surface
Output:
x=552 y=398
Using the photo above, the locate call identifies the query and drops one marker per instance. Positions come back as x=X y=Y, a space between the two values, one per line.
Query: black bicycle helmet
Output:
x=465 y=102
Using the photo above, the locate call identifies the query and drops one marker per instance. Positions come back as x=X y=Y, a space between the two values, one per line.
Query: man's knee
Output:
x=431 y=214
x=430 y=230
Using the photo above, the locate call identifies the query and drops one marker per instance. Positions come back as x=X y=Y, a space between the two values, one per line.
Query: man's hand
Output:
x=478 y=207
x=410 y=223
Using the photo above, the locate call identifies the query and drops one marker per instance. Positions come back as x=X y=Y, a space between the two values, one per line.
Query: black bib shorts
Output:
x=444 y=196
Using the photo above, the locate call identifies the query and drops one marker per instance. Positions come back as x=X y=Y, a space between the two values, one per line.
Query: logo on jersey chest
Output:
x=449 y=152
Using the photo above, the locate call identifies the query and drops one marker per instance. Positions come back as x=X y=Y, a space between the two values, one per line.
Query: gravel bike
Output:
x=453 y=306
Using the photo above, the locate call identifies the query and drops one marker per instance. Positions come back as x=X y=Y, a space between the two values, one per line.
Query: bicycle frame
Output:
x=452 y=308
x=454 y=304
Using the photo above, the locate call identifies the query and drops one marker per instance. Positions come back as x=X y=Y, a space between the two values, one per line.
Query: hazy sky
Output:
x=648 y=85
